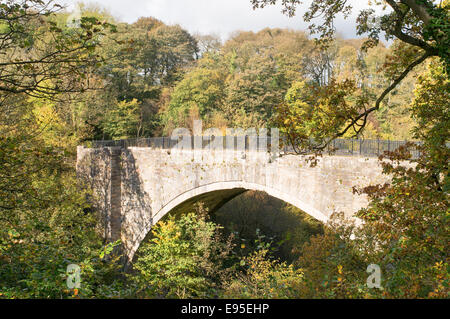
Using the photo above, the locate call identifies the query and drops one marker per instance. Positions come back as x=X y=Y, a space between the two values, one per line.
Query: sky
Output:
x=219 y=17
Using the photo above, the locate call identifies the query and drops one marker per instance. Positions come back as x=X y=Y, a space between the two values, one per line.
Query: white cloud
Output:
x=220 y=17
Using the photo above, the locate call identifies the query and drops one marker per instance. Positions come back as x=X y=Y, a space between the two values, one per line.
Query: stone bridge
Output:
x=134 y=187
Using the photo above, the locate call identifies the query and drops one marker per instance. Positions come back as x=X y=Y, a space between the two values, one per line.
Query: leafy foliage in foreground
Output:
x=405 y=228
x=39 y=241
x=410 y=217
x=191 y=258
x=183 y=259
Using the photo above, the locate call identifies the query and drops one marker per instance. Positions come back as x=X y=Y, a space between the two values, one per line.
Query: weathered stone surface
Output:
x=135 y=187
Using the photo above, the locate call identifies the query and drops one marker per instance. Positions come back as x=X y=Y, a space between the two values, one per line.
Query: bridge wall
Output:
x=135 y=187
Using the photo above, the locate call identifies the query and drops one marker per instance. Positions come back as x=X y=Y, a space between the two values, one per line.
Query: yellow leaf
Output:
x=340 y=269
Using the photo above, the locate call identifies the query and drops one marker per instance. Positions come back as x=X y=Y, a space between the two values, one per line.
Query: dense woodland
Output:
x=63 y=85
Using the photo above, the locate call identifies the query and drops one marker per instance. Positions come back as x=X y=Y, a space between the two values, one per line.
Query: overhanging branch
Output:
x=380 y=99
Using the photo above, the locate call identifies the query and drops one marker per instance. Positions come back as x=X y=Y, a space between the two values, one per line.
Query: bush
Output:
x=184 y=258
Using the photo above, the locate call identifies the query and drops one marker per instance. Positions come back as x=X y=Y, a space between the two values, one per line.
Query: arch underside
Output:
x=215 y=195
x=212 y=201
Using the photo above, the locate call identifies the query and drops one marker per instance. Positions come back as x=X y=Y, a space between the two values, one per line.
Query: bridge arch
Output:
x=217 y=194
x=233 y=189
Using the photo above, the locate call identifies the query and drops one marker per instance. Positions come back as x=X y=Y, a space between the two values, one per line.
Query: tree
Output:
x=311 y=113
x=185 y=258
x=208 y=44
x=145 y=60
x=48 y=53
x=264 y=278
x=123 y=120
x=334 y=265
x=253 y=91
x=175 y=48
x=201 y=89
x=39 y=60
x=408 y=217
x=242 y=83
x=45 y=222
x=421 y=26
x=44 y=230
x=405 y=227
